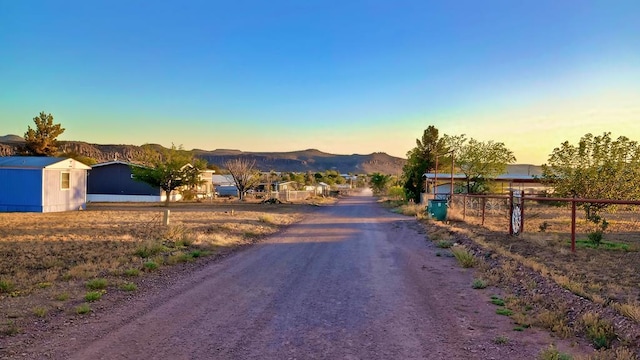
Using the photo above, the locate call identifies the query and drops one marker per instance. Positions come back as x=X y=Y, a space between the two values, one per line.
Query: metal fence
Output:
x=518 y=213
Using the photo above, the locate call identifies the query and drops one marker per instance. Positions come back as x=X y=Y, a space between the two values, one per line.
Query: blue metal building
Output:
x=42 y=184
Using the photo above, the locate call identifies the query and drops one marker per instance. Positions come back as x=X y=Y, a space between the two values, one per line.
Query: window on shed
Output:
x=65 y=180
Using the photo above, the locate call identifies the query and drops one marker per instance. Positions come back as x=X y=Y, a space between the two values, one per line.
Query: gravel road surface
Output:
x=351 y=281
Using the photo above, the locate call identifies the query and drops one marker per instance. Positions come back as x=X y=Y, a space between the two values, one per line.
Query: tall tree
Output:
x=480 y=161
x=420 y=160
x=42 y=141
x=598 y=167
x=168 y=169
x=244 y=174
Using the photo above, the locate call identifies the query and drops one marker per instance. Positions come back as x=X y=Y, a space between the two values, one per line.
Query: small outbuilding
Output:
x=42 y=184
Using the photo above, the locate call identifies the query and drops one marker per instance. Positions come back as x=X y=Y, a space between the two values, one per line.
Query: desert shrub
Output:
x=129 y=286
x=552 y=353
x=93 y=296
x=6 y=286
x=596 y=236
x=9 y=328
x=504 y=311
x=496 y=300
x=630 y=310
x=150 y=248
x=150 y=265
x=132 y=272
x=62 y=296
x=83 y=309
x=96 y=284
x=554 y=321
x=465 y=258
x=599 y=331
x=39 y=311
x=479 y=284
x=501 y=340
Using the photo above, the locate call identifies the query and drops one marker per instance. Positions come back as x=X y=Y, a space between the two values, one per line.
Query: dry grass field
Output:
x=67 y=262
x=604 y=280
x=608 y=272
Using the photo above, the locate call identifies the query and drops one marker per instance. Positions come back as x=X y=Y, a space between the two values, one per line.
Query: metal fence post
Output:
x=573 y=224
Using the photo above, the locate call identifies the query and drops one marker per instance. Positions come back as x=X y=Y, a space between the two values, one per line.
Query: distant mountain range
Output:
x=296 y=161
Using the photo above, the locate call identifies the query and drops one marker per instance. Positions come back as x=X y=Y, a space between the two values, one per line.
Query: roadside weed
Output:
x=62 y=296
x=504 y=311
x=496 y=300
x=479 y=284
x=39 y=311
x=501 y=340
x=132 y=272
x=96 y=284
x=93 y=296
x=6 y=286
x=129 y=286
x=465 y=258
x=9 y=328
x=83 y=309
x=552 y=353
x=598 y=330
x=150 y=265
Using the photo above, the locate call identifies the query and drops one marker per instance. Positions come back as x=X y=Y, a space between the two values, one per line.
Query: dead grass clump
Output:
x=554 y=321
x=552 y=353
x=573 y=286
x=630 y=310
x=411 y=210
x=621 y=353
x=600 y=331
x=454 y=214
x=465 y=258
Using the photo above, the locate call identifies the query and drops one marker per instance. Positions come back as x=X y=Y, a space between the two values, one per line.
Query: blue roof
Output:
x=30 y=162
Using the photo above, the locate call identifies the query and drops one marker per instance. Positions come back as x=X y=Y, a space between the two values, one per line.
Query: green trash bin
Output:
x=438 y=209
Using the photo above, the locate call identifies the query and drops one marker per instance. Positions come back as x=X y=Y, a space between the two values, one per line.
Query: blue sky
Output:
x=340 y=76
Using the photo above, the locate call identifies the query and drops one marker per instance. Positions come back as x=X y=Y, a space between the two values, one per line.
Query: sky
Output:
x=344 y=77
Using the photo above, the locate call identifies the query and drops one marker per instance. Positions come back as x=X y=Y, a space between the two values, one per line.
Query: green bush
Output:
x=96 y=284
x=93 y=296
x=465 y=258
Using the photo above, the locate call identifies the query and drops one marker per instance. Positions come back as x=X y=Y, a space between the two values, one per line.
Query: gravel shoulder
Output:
x=351 y=281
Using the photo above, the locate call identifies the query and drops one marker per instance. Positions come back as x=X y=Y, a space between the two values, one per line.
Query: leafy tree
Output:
x=42 y=141
x=168 y=169
x=420 y=160
x=379 y=183
x=480 y=161
x=244 y=173
x=597 y=168
x=396 y=192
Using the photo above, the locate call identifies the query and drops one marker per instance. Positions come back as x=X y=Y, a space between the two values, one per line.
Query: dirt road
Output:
x=352 y=281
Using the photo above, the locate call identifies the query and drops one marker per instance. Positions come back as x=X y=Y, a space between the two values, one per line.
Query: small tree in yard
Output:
x=420 y=160
x=42 y=141
x=597 y=168
x=480 y=161
x=379 y=183
x=168 y=169
x=244 y=174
